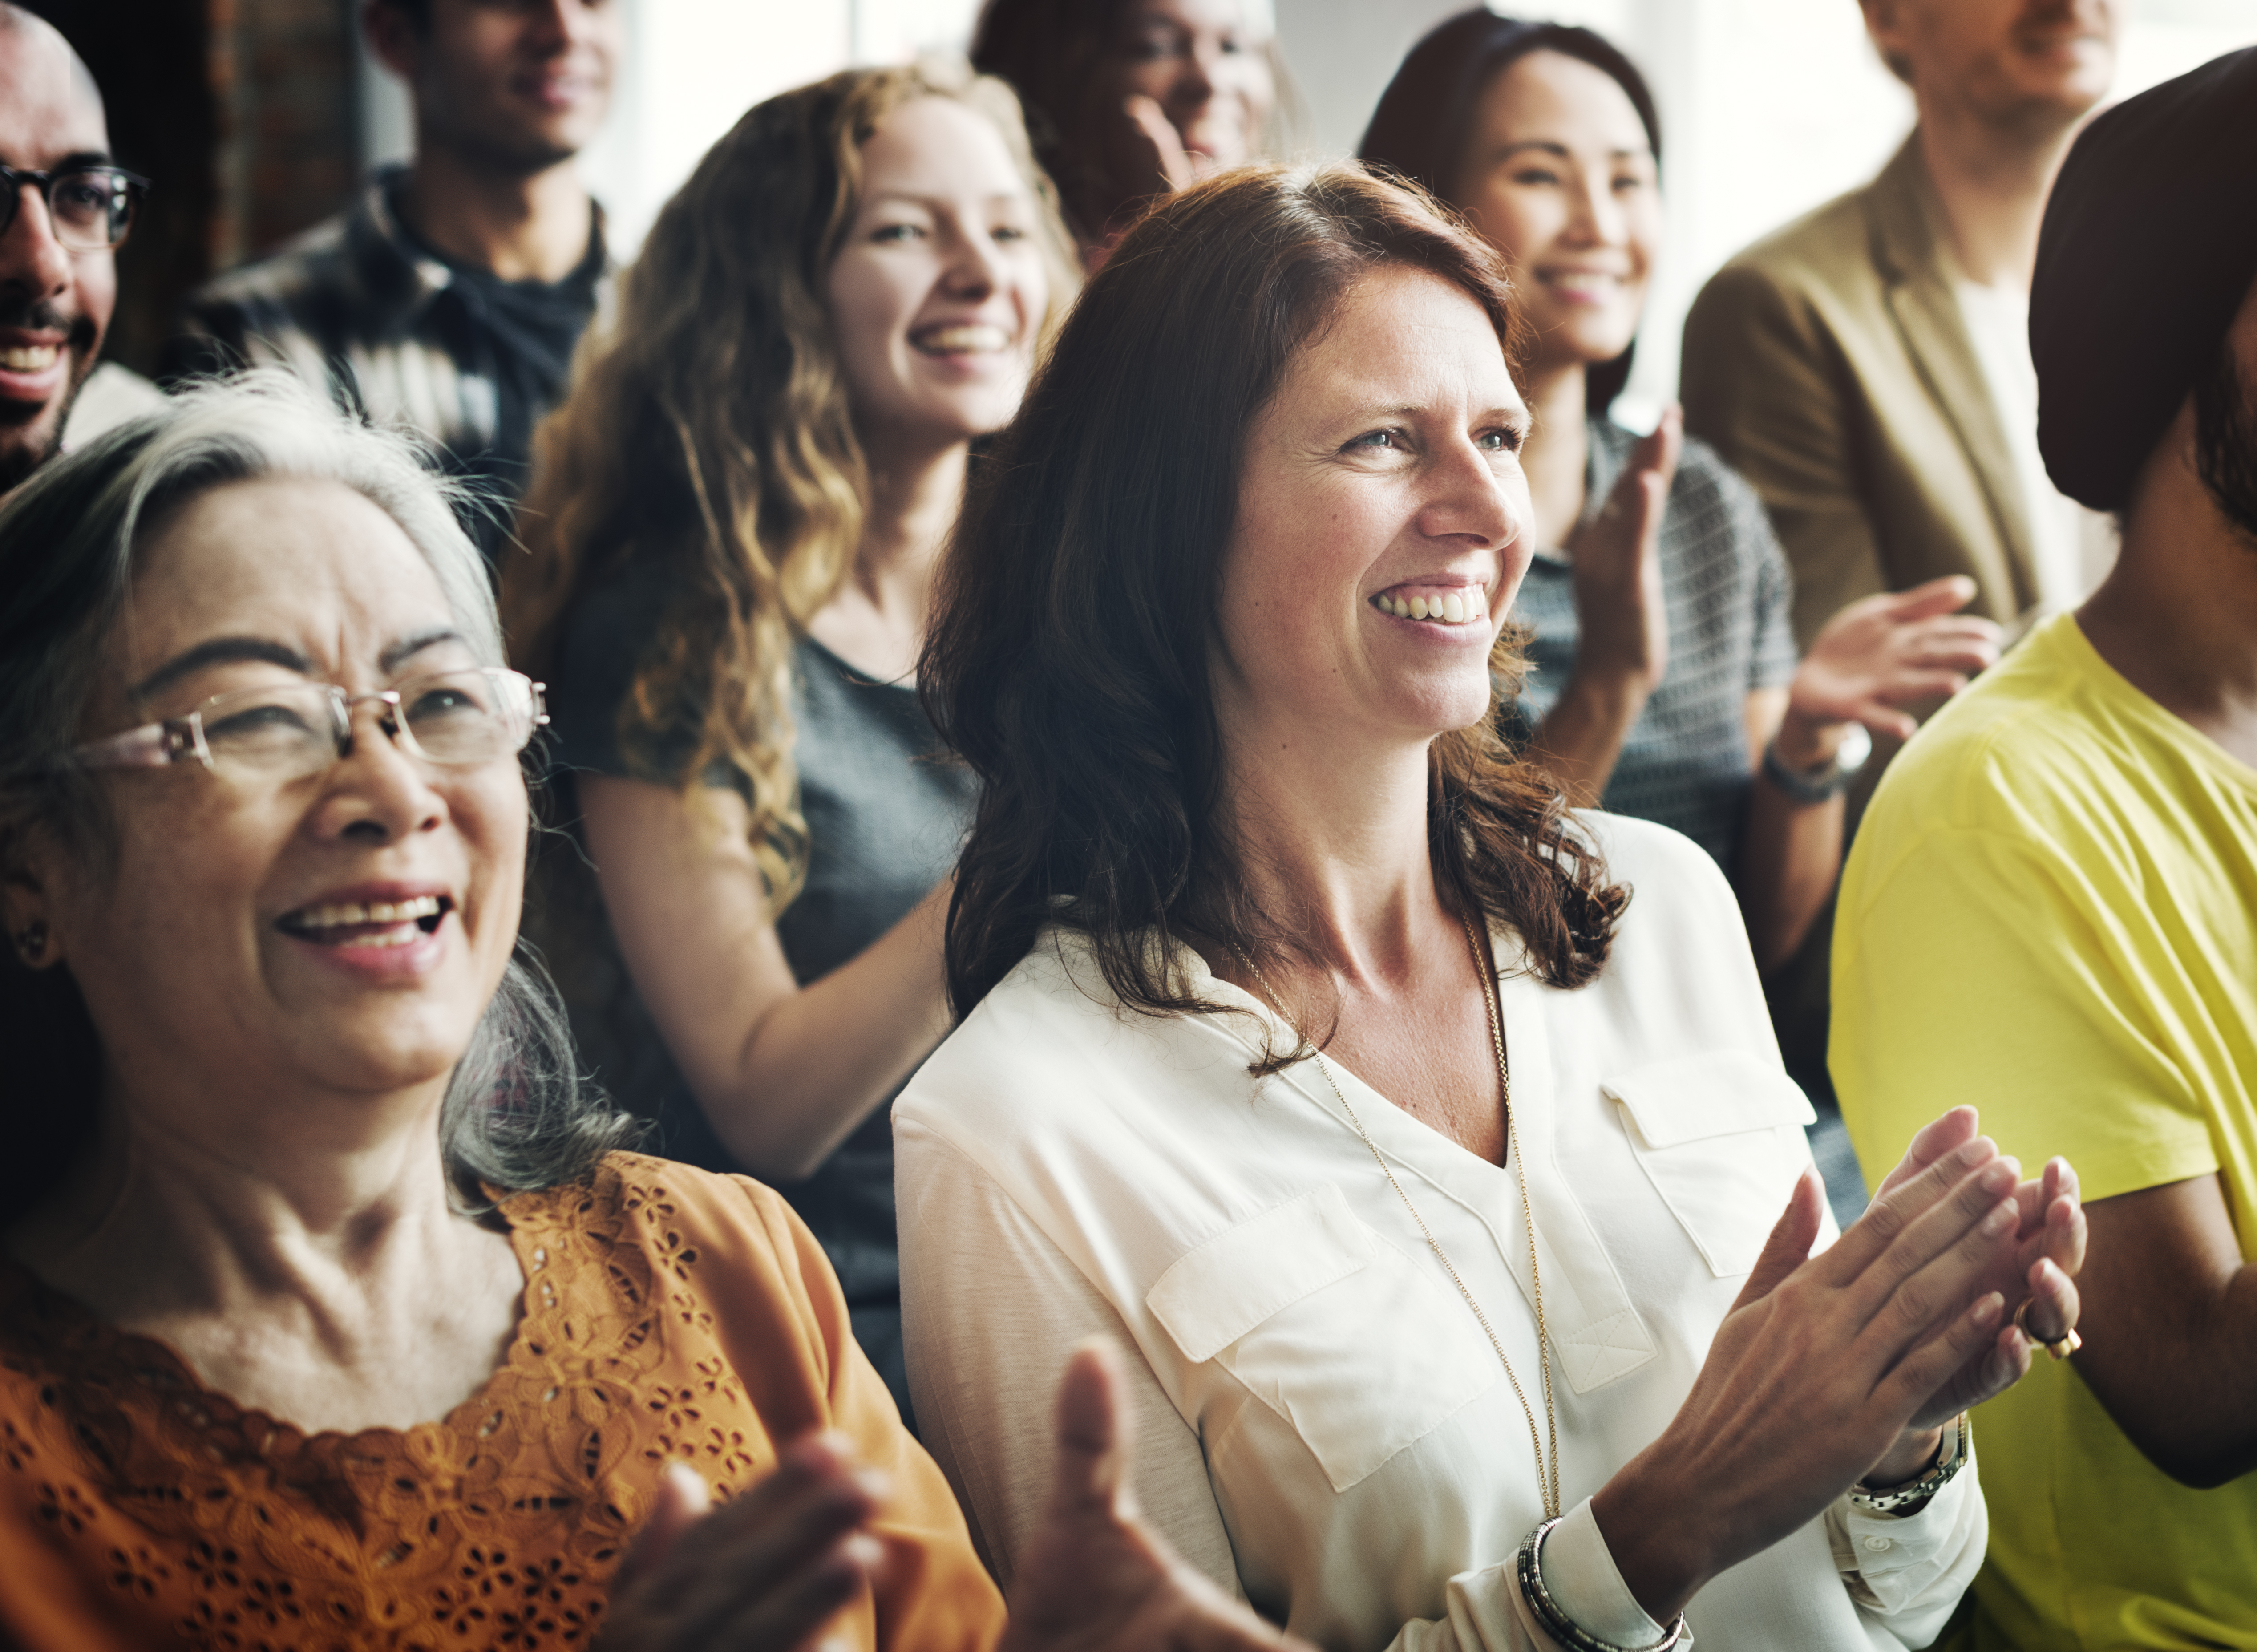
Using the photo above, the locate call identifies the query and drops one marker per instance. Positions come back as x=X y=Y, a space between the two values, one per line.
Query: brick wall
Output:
x=241 y=112
x=282 y=72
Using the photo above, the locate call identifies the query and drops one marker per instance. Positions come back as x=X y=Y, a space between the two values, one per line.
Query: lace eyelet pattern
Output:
x=499 y=1526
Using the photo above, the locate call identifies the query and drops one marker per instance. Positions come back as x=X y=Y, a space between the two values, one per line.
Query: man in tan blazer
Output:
x=1863 y=368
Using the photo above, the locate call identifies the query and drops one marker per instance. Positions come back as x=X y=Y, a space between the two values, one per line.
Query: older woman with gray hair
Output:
x=331 y=1309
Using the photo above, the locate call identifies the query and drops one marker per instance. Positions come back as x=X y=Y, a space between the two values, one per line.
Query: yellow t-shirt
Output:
x=2051 y=915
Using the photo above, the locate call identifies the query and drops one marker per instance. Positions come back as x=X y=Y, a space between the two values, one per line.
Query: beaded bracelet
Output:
x=1556 y=1622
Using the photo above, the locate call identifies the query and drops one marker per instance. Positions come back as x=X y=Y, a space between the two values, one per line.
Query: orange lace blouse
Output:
x=669 y=1315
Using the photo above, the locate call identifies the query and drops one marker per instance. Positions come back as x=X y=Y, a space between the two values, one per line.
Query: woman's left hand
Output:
x=2040 y=1272
x=1877 y=657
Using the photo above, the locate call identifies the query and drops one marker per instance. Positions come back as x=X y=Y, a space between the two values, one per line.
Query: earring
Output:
x=31 y=942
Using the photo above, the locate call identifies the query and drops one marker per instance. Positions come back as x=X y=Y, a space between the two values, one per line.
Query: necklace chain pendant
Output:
x=1547 y=1462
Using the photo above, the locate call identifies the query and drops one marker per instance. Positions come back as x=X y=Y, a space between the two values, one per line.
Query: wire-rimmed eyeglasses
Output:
x=292 y=730
x=91 y=207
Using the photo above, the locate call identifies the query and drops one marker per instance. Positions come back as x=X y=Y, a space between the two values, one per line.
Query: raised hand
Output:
x=1880 y=655
x=765 y=1572
x=1622 y=627
x=1097 y=1578
x=759 y=1575
x=2041 y=1268
x=1159 y=149
x=1818 y=1372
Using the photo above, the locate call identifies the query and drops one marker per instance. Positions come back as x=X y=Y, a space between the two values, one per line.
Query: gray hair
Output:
x=518 y=1113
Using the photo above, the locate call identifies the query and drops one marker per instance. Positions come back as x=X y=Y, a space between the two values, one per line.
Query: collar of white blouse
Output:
x=1596 y=1335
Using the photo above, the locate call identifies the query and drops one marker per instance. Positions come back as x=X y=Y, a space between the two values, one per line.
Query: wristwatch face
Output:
x=1856 y=745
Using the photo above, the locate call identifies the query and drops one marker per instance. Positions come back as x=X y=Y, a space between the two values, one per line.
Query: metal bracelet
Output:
x=1951 y=1456
x=1556 y=1622
x=1825 y=784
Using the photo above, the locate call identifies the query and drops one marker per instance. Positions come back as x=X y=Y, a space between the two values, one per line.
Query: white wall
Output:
x=1768 y=107
x=691 y=68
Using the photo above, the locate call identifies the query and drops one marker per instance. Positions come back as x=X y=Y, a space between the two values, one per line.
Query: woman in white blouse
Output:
x=1220 y=635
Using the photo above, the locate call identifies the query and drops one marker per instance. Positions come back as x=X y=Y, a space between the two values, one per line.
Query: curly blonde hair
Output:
x=708 y=432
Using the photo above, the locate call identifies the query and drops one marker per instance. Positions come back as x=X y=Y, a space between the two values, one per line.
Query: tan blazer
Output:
x=1830 y=364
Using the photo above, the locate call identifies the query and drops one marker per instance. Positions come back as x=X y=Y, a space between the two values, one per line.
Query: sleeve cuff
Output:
x=1579 y=1570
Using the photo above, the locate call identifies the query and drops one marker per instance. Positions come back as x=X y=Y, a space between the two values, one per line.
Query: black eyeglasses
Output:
x=91 y=207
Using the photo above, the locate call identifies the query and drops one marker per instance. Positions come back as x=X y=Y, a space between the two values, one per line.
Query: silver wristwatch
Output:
x=1830 y=780
x=1957 y=1446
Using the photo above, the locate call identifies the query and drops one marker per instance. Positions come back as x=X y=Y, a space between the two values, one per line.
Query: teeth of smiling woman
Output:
x=1453 y=608
x=968 y=338
x=350 y=912
x=29 y=357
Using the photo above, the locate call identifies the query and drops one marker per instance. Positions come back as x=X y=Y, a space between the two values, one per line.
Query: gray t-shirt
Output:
x=887 y=810
x=1725 y=584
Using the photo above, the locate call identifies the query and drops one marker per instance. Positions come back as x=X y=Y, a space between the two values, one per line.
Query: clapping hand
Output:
x=1878 y=655
x=1097 y=1578
x=1159 y=148
x=1622 y=624
x=2039 y=1268
x=765 y=1572
x=1834 y=1368
x=760 y=1574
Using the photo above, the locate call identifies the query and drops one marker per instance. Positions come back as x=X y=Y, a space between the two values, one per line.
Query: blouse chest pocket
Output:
x=1330 y=1327
x=1720 y=1136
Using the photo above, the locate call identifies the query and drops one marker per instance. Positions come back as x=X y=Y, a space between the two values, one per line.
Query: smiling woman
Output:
x=1665 y=676
x=1400 y=1115
x=733 y=525
x=228 y=687
x=338 y=1319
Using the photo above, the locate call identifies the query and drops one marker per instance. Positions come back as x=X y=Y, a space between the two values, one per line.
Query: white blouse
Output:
x=1320 y=1419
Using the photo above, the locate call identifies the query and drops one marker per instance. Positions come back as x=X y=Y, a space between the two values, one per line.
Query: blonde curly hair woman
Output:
x=731 y=535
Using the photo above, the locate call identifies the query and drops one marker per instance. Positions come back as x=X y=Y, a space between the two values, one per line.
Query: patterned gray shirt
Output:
x=403 y=336
x=1725 y=584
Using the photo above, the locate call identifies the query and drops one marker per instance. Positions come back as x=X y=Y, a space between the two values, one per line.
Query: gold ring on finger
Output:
x=2061 y=1347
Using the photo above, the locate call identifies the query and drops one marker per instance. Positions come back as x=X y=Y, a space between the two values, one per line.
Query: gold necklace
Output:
x=1548 y=1463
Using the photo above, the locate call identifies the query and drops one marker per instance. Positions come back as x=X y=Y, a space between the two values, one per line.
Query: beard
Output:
x=2225 y=439
x=21 y=452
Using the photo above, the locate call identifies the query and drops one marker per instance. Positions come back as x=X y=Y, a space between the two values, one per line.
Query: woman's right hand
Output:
x=1158 y=148
x=1821 y=1366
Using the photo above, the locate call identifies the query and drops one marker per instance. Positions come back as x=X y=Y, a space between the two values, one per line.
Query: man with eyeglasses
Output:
x=64 y=209
x=448 y=299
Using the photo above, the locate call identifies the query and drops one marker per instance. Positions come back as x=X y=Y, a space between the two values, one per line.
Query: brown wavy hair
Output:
x=1067 y=659
x=708 y=432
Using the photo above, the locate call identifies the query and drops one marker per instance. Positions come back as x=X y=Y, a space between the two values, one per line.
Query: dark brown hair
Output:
x=1068 y=654
x=1426 y=117
x=1058 y=54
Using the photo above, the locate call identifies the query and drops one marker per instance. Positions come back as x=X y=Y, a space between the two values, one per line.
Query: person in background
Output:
x=1867 y=367
x=338 y=1317
x=2052 y=904
x=448 y=299
x=734 y=526
x=1664 y=681
x=1130 y=99
x=1422 y=1134
x=64 y=210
